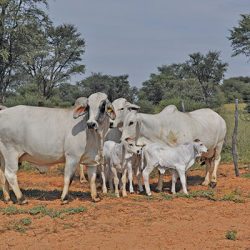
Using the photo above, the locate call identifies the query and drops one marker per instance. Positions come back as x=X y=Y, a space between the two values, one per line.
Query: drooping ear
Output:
x=197 y=140
x=110 y=110
x=81 y=107
x=131 y=106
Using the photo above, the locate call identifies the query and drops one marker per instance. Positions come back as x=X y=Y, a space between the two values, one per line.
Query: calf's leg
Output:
x=174 y=180
x=183 y=179
x=146 y=172
x=130 y=177
x=116 y=181
x=124 y=175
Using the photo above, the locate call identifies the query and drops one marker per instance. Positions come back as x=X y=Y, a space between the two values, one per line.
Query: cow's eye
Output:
x=131 y=145
x=102 y=108
x=121 y=108
x=131 y=123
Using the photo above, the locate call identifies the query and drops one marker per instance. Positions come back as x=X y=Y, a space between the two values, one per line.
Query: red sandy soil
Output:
x=135 y=222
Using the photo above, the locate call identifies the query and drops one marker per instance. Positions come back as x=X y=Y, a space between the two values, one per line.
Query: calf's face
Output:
x=200 y=147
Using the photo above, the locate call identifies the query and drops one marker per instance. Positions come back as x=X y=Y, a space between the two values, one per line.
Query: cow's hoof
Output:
x=96 y=199
x=105 y=191
x=124 y=195
x=8 y=201
x=212 y=184
x=157 y=190
x=149 y=194
x=64 y=202
x=131 y=192
x=22 y=201
x=204 y=183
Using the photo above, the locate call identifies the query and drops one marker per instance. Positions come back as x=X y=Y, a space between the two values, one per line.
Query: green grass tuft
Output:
x=246 y=175
x=234 y=196
x=231 y=235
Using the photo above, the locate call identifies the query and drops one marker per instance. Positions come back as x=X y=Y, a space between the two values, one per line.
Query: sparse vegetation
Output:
x=234 y=196
x=19 y=225
x=246 y=175
x=43 y=210
x=208 y=194
x=231 y=235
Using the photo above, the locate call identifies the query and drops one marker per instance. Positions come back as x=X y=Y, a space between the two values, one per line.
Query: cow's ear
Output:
x=81 y=107
x=197 y=140
x=110 y=110
x=131 y=106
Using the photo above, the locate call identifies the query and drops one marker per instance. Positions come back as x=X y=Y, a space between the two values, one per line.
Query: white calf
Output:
x=118 y=158
x=179 y=159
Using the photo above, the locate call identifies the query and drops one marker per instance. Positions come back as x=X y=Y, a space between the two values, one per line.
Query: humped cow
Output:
x=172 y=127
x=46 y=136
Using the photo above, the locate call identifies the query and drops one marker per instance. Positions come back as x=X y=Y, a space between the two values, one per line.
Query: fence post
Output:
x=182 y=106
x=234 y=139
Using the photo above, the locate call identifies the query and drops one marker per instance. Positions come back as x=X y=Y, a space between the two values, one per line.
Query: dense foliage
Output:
x=38 y=60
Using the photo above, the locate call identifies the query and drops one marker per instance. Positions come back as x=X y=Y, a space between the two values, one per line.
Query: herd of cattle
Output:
x=111 y=138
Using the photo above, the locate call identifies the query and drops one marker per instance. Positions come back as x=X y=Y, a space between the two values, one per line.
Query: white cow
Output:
x=179 y=159
x=117 y=158
x=172 y=127
x=121 y=107
x=46 y=136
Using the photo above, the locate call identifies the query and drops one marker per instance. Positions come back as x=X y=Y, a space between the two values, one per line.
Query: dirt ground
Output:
x=135 y=222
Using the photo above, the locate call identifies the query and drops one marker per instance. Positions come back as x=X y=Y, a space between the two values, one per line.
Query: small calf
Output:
x=179 y=159
x=119 y=157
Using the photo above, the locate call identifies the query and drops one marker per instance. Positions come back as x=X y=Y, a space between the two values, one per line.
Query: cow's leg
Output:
x=208 y=167
x=116 y=181
x=124 y=175
x=104 y=187
x=160 y=183
x=69 y=171
x=174 y=180
x=130 y=177
x=5 y=186
x=81 y=173
x=4 y=182
x=216 y=162
x=92 y=178
x=146 y=172
x=182 y=175
x=139 y=181
x=11 y=167
x=215 y=165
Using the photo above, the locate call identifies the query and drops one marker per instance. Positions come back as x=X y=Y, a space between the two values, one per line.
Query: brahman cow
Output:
x=121 y=107
x=46 y=136
x=178 y=159
x=172 y=127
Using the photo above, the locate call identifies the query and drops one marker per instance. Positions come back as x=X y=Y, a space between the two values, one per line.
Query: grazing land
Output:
x=216 y=218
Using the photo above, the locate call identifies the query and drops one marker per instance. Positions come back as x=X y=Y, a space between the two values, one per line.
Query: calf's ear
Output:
x=131 y=106
x=110 y=110
x=81 y=107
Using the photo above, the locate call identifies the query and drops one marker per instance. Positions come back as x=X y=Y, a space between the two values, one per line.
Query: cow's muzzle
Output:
x=92 y=125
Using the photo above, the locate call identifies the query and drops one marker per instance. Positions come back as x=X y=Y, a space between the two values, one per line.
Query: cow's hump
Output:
x=170 y=109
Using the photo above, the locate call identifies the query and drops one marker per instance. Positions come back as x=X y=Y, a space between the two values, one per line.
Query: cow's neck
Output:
x=151 y=128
